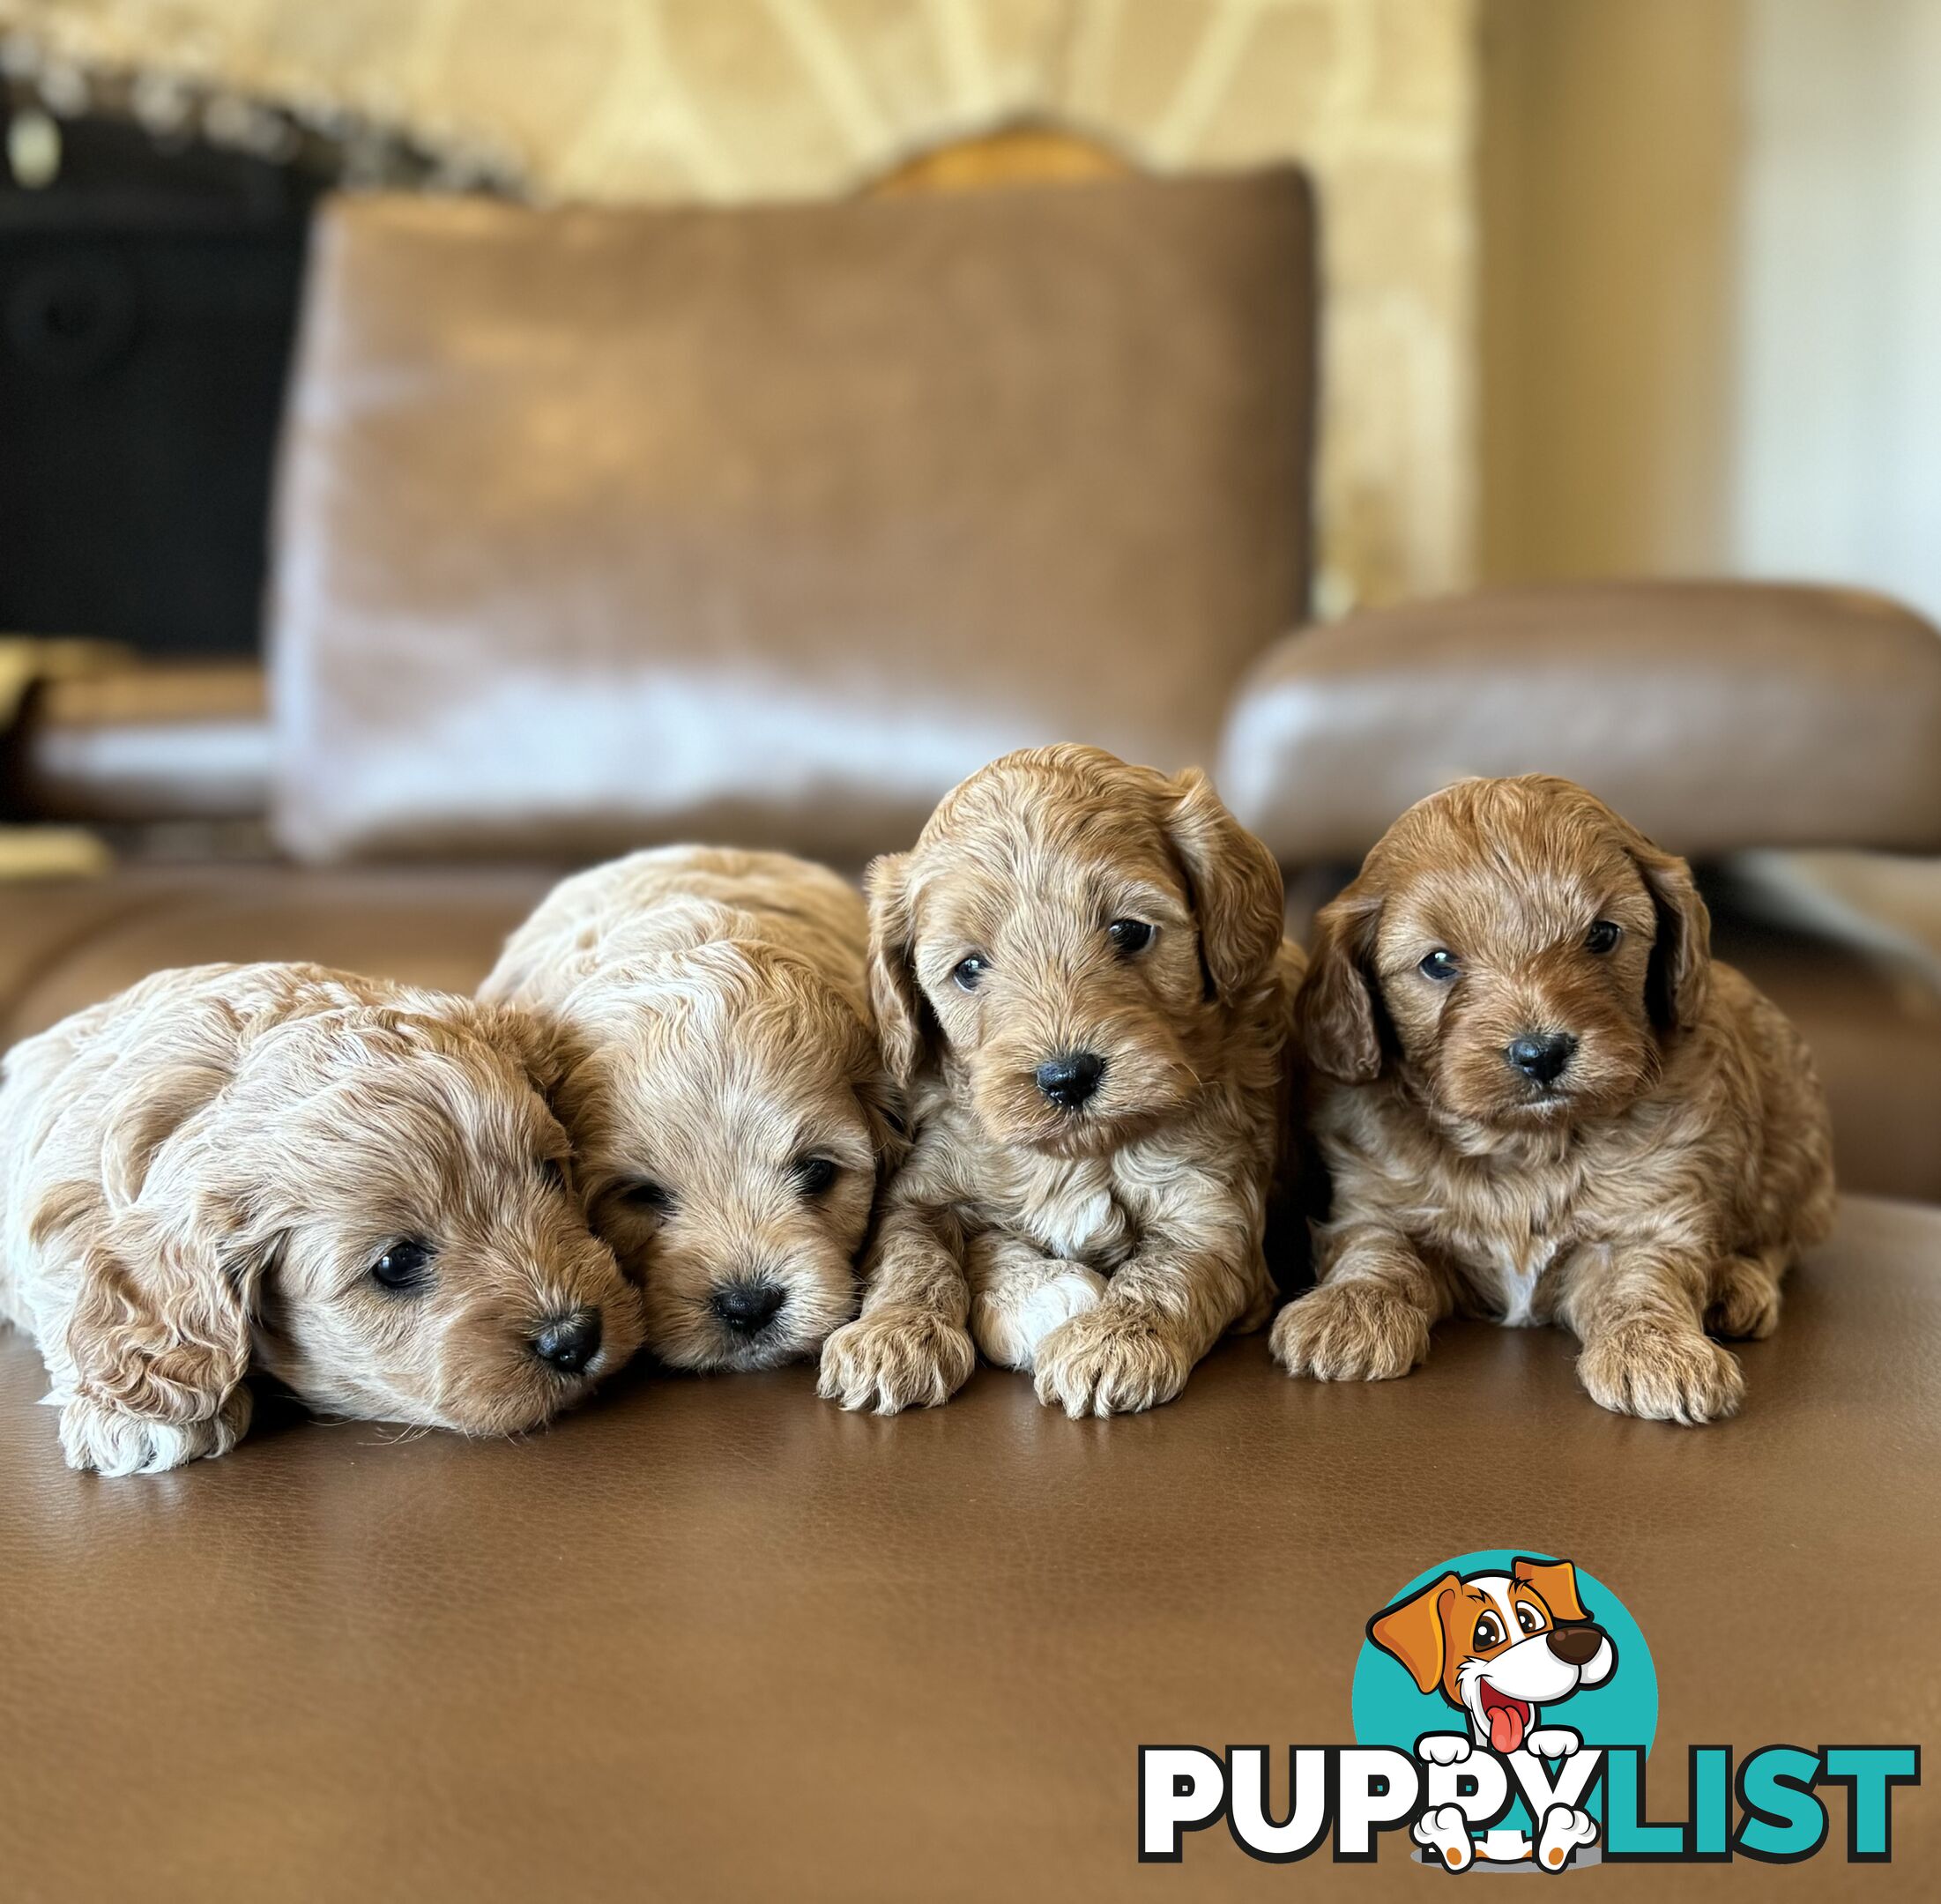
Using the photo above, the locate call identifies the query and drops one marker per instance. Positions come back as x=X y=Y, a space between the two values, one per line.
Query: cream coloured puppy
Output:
x=728 y=1106
x=355 y=1187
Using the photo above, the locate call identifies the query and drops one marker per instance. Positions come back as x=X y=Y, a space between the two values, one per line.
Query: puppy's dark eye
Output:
x=405 y=1266
x=1602 y=937
x=1129 y=935
x=1527 y=1617
x=1439 y=965
x=551 y=1172
x=643 y=1193
x=1489 y=1632
x=814 y=1175
x=967 y=972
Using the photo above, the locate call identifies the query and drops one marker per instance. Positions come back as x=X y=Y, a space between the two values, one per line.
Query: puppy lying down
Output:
x=354 y=1186
x=1080 y=977
x=724 y=1088
x=1541 y=1099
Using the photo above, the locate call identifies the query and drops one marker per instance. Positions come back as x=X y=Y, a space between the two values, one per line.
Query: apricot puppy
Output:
x=1541 y=1099
x=723 y=1087
x=1080 y=979
x=354 y=1186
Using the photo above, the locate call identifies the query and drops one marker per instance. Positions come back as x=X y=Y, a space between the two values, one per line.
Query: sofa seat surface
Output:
x=716 y=1638
x=65 y=946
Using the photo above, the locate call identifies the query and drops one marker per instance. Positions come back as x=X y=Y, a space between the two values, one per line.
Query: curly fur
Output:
x=714 y=1016
x=1660 y=1186
x=197 y=1176
x=1104 y=1247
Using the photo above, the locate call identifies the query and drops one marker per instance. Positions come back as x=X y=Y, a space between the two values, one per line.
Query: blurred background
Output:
x=1641 y=287
x=444 y=439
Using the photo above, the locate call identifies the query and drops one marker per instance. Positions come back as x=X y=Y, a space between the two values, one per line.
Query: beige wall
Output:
x=1711 y=305
x=1611 y=133
x=728 y=101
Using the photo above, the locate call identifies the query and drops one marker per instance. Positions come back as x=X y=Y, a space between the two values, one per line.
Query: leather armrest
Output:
x=1715 y=716
x=125 y=743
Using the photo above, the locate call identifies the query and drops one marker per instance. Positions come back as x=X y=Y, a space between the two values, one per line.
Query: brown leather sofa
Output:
x=600 y=529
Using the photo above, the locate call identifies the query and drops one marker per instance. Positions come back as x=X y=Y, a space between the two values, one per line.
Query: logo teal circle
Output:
x=1623 y=1711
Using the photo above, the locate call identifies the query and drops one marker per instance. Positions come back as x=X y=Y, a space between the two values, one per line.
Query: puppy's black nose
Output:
x=569 y=1342
x=1576 y=1646
x=1541 y=1056
x=1071 y=1079
x=748 y=1307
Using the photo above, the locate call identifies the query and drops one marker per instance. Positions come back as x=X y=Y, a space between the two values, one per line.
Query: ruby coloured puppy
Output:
x=727 y=1101
x=354 y=1186
x=1081 y=981
x=1540 y=1100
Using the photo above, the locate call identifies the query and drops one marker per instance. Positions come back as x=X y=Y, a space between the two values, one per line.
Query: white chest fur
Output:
x=1073 y=1210
x=1518 y=1275
x=1523 y=1221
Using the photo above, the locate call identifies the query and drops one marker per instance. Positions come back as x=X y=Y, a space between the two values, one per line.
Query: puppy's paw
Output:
x=97 y=1434
x=1110 y=1362
x=1352 y=1331
x=1745 y=1300
x=895 y=1359
x=1444 y=1748
x=1010 y=1320
x=1444 y=1830
x=1642 y=1369
x=1563 y=1829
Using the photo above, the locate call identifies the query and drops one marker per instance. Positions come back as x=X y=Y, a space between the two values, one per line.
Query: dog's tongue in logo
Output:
x=1509 y=1719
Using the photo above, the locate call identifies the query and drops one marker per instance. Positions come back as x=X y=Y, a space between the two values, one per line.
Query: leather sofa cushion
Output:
x=597 y=527
x=65 y=945
x=1715 y=716
x=138 y=743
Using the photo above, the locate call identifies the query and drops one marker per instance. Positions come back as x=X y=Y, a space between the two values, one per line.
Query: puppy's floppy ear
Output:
x=1337 y=1007
x=899 y=1009
x=1680 y=979
x=540 y=1047
x=1237 y=889
x=1411 y=1631
x=1555 y=1581
x=878 y=1093
x=160 y=1323
x=882 y=1104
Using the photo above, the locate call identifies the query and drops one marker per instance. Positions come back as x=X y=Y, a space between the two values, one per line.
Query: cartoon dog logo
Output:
x=1499 y=1648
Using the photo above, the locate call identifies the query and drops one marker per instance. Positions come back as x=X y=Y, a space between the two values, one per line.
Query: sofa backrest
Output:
x=597 y=527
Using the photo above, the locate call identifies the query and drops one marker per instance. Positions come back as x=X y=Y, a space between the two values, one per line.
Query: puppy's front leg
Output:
x=1369 y=1318
x=101 y=1434
x=1639 y=1311
x=909 y=1348
x=1019 y=1295
x=1164 y=1308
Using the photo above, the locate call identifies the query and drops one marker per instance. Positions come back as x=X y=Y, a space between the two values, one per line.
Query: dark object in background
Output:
x=147 y=300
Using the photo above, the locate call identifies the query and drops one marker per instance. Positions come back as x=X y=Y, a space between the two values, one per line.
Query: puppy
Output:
x=1080 y=978
x=354 y=1186
x=723 y=1087
x=1540 y=1099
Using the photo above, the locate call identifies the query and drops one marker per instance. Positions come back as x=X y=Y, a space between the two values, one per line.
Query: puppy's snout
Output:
x=748 y=1307
x=1541 y=1056
x=1070 y=1079
x=1576 y=1646
x=570 y=1342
